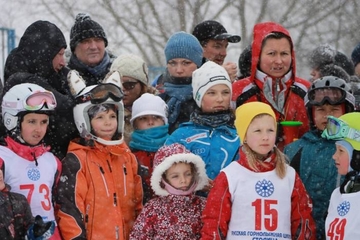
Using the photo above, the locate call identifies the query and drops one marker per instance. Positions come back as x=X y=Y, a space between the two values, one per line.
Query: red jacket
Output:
x=294 y=108
x=217 y=213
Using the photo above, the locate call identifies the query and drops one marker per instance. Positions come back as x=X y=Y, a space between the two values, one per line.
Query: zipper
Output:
x=125 y=173
x=277 y=90
x=104 y=181
x=115 y=200
x=109 y=165
x=87 y=215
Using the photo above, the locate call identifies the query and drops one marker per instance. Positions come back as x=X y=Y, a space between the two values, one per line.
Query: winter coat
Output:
x=218 y=147
x=170 y=217
x=91 y=78
x=311 y=156
x=217 y=213
x=15 y=215
x=251 y=89
x=99 y=193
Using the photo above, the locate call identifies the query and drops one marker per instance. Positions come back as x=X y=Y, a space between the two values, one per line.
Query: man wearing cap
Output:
x=88 y=55
x=214 y=39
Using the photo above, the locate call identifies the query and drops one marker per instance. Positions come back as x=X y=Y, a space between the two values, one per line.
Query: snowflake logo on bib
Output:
x=343 y=208
x=264 y=188
x=33 y=174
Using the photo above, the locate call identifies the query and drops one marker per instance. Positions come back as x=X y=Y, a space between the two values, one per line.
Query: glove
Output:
x=41 y=230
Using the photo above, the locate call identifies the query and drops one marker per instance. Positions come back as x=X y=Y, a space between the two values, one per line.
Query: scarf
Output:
x=150 y=139
x=178 y=94
x=98 y=70
x=213 y=120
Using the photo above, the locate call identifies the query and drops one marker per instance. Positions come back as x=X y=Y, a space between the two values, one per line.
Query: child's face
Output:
x=216 y=98
x=33 y=127
x=104 y=124
x=148 y=121
x=320 y=114
x=261 y=134
x=341 y=158
x=180 y=176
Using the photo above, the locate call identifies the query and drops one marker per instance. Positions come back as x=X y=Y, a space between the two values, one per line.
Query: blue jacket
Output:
x=218 y=147
x=311 y=156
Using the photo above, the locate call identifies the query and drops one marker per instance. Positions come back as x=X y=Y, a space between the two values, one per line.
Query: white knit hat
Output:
x=149 y=104
x=208 y=75
x=130 y=65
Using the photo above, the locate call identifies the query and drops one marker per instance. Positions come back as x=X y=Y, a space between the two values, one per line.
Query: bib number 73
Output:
x=265 y=214
x=43 y=191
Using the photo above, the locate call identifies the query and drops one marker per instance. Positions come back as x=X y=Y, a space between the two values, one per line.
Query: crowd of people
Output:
x=91 y=148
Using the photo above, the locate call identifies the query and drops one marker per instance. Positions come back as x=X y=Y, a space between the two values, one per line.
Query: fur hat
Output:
x=211 y=29
x=208 y=75
x=149 y=104
x=184 y=45
x=83 y=28
x=246 y=113
x=166 y=156
x=130 y=65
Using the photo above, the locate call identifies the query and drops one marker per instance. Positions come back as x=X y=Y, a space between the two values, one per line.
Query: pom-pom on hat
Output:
x=166 y=156
x=83 y=28
x=184 y=45
x=208 y=75
x=130 y=65
x=246 y=113
x=149 y=104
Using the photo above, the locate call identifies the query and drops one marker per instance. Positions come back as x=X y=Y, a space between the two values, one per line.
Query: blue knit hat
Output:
x=184 y=45
x=355 y=55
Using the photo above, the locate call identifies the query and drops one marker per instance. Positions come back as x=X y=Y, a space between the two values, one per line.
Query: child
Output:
x=176 y=212
x=327 y=96
x=258 y=195
x=210 y=133
x=150 y=125
x=100 y=192
x=342 y=221
x=15 y=213
x=28 y=166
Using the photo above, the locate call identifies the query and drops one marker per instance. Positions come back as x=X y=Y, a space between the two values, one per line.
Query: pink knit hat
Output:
x=165 y=157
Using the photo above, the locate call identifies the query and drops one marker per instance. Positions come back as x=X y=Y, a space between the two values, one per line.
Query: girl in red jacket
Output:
x=259 y=195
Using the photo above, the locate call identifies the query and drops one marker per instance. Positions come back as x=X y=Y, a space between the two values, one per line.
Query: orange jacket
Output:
x=100 y=192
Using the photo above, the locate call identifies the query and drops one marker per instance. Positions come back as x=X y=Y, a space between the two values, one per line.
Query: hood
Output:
x=37 y=48
x=261 y=30
x=90 y=145
x=166 y=156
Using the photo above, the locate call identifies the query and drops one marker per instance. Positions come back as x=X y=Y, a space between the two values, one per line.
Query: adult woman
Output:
x=273 y=78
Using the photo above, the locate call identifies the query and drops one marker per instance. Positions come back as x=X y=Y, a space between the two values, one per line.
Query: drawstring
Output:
x=36 y=162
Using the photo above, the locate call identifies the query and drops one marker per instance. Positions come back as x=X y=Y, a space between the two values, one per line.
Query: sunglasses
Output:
x=336 y=129
x=129 y=85
x=101 y=93
x=38 y=100
x=333 y=96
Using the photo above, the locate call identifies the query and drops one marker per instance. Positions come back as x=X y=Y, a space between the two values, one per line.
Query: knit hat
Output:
x=355 y=55
x=166 y=156
x=352 y=120
x=246 y=113
x=149 y=104
x=211 y=29
x=83 y=28
x=130 y=65
x=184 y=45
x=208 y=75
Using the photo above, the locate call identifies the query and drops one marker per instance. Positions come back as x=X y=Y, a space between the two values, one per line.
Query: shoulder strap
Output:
x=242 y=98
x=298 y=91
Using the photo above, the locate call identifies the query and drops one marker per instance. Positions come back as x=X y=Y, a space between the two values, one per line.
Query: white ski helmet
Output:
x=25 y=98
x=107 y=92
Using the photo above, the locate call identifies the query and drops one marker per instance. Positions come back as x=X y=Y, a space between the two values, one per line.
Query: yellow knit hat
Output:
x=246 y=113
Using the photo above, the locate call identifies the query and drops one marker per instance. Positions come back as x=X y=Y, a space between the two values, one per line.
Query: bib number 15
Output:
x=265 y=214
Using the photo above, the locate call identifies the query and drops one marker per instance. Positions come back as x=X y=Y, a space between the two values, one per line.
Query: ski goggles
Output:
x=320 y=96
x=336 y=129
x=101 y=93
x=40 y=99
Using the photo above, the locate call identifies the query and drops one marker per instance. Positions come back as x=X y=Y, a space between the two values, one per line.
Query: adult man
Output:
x=87 y=43
x=214 y=39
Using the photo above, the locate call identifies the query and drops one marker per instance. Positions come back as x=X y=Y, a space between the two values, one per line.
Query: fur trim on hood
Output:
x=166 y=156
